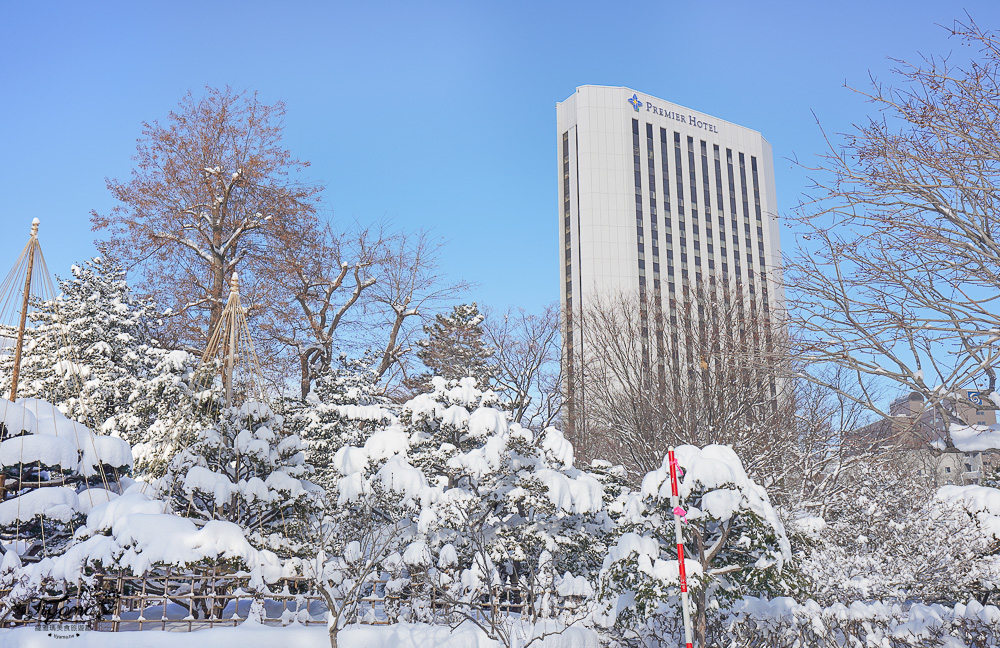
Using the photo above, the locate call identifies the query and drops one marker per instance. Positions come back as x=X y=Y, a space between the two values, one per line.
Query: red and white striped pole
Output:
x=679 y=537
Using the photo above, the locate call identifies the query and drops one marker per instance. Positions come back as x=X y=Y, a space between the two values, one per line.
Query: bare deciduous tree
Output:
x=709 y=368
x=898 y=276
x=828 y=454
x=320 y=288
x=411 y=287
x=355 y=290
x=211 y=187
x=526 y=355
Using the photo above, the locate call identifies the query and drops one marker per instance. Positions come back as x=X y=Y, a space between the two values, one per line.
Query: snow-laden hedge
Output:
x=782 y=622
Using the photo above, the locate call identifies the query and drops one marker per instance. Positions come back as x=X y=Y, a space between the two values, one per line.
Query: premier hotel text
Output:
x=684 y=119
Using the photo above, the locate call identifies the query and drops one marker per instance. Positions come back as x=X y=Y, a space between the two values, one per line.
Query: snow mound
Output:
x=105 y=451
x=718 y=470
x=16 y=419
x=56 y=503
x=51 y=452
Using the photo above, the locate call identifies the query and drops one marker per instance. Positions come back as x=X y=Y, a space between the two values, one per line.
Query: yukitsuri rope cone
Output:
x=42 y=453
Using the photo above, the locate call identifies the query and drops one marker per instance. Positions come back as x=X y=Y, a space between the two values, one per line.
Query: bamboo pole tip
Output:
x=34 y=226
x=234 y=284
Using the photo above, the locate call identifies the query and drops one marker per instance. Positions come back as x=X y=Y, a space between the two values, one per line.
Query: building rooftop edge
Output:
x=633 y=90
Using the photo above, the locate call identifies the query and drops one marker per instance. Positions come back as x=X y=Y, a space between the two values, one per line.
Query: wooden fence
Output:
x=192 y=601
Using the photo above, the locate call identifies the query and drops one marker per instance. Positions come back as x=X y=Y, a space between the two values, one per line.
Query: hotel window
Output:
x=756 y=186
x=757 y=211
x=705 y=180
x=679 y=174
x=652 y=194
x=664 y=172
x=566 y=212
x=692 y=177
x=718 y=181
x=732 y=205
x=636 y=160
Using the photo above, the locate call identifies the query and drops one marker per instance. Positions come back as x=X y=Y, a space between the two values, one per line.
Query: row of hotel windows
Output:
x=568 y=244
x=693 y=205
x=692 y=209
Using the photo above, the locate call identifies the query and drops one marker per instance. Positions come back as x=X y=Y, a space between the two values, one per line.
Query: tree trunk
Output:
x=304 y=382
x=700 y=628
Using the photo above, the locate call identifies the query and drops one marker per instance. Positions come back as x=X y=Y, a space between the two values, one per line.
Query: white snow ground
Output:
x=252 y=635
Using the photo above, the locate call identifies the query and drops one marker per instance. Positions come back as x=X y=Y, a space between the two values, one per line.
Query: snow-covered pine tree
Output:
x=454 y=347
x=241 y=468
x=87 y=349
x=89 y=353
x=168 y=406
x=344 y=409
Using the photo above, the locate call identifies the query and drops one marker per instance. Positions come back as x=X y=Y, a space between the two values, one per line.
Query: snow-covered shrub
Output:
x=734 y=546
x=242 y=469
x=497 y=517
x=133 y=534
x=976 y=564
x=356 y=541
x=54 y=470
x=70 y=515
x=753 y=622
x=905 y=542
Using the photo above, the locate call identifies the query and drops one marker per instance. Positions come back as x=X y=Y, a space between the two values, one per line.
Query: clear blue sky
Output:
x=437 y=115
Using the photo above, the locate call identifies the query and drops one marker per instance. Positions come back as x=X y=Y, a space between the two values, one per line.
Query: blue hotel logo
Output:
x=636 y=102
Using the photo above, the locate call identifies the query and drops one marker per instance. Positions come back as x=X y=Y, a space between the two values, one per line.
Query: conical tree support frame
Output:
x=31 y=259
x=231 y=348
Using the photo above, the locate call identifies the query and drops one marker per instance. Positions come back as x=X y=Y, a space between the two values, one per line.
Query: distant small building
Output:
x=913 y=426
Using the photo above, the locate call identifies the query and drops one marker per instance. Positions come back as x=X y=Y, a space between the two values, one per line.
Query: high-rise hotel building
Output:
x=656 y=199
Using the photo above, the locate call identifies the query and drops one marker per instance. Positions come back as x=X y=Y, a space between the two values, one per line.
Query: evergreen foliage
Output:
x=88 y=349
x=454 y=347
x=345 y=408
x=241 y=468
x=734 y=546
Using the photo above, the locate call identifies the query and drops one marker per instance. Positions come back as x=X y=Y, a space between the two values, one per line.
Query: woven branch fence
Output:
x=189 y=601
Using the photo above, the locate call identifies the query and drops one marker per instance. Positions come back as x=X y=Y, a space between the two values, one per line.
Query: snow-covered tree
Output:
x=214 y=190
x=454 y=347
x=53 y=471
x=357 y=539
x=86 y=350
x=499 y=516
x=89 y=353
x=241 y=468
x=345 y=408
x=734 y=546
x=167 y=406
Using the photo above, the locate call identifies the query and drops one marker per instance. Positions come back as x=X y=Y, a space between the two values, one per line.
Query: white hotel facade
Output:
x=654 y=196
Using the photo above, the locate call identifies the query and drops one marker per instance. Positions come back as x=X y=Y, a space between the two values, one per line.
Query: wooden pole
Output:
x=234 y=294
x=32 y=246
